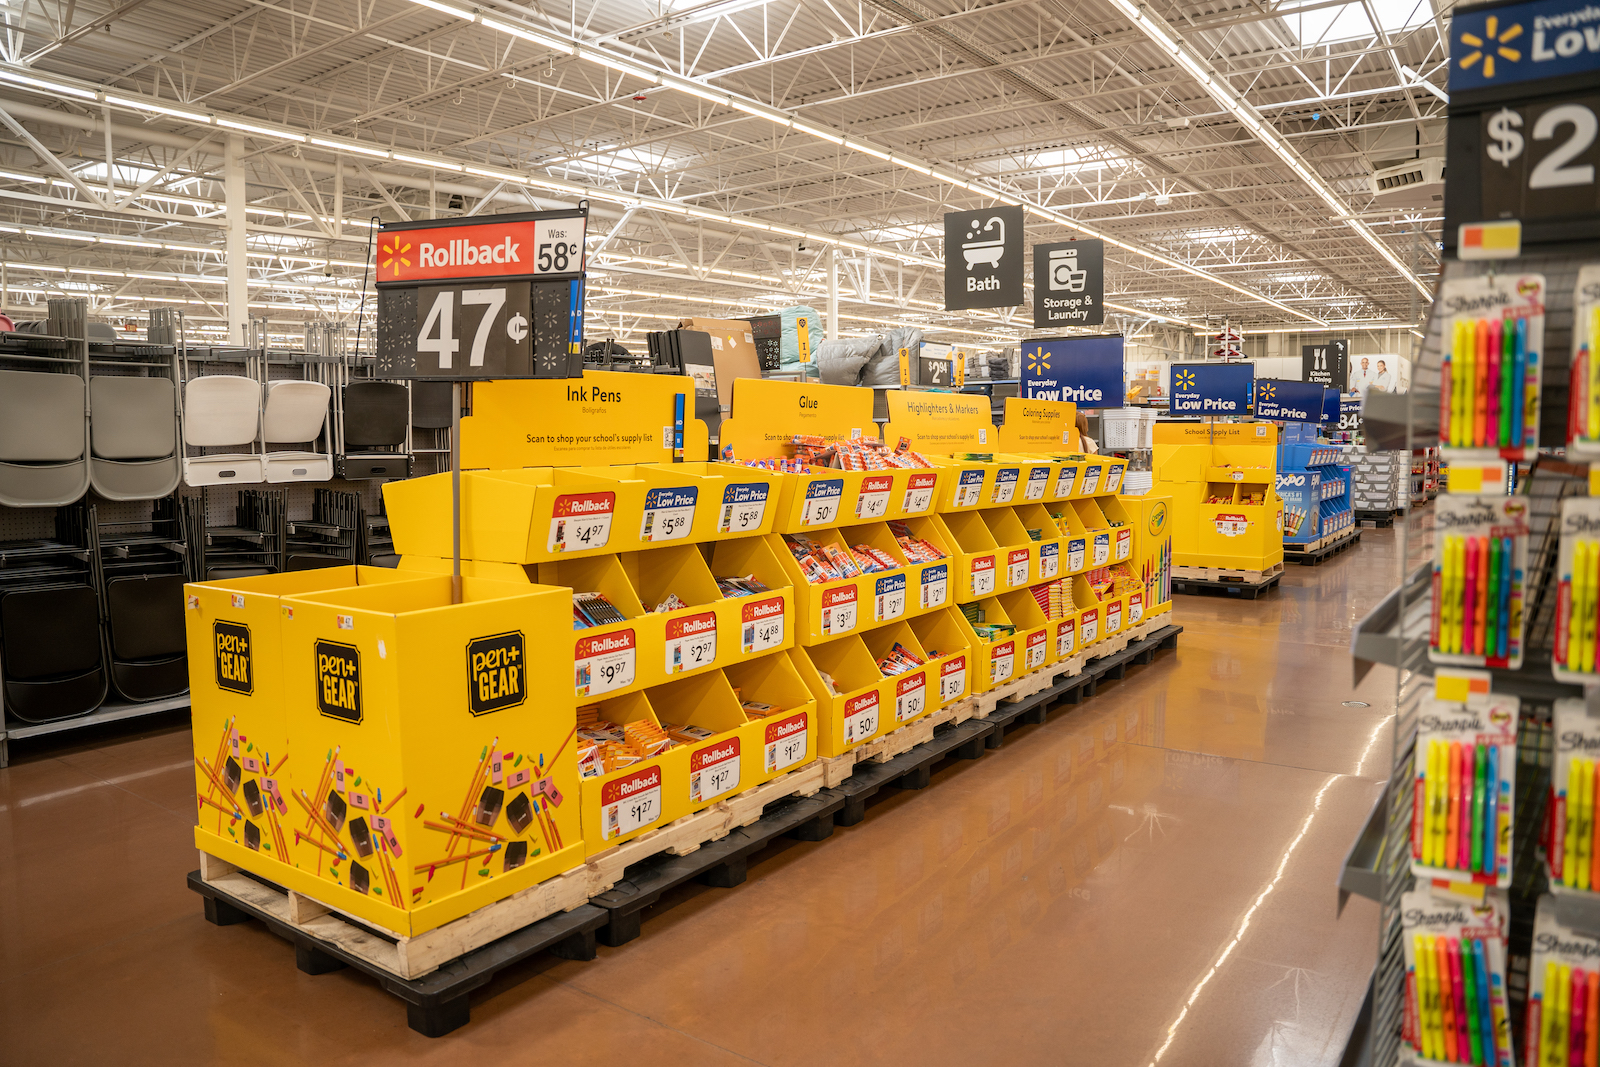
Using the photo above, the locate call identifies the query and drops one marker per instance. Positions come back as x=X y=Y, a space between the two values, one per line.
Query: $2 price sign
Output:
x=1540 y=159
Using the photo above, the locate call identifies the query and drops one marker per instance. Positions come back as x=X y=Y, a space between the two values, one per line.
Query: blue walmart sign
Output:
x=1514 y=43
x=1288 y=400
x=1084 y=370
x=1212 y=388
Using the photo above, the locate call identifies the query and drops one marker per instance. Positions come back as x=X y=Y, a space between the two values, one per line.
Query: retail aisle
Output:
x=1148 y=878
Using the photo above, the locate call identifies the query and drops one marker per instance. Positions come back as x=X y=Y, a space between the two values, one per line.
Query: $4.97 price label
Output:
x=580 y=522
x=919 y=493
x=744 y=507
x=983 y=576
x=822 y=502
x=889 y=597
x=691 y=642
x=605 y=662
x=668 y=514
x=861 y=718
x=786 y=742
x=1038 y=482
x=839 y=610
x=952 y=679
x=761 y=625
x=969 y=488
x=873 y=500
x=935 y=585
x=1005 y=485
x=630 y=803
x=1017 y=567
x=713 y=771
x=910 y=696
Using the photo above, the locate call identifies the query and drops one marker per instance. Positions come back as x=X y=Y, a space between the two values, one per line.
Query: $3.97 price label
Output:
x=761 y=625
x=861 y=718
x=713 y=771
x=952 y=679
x=910 y=696
x=822 y=502
x=668 y=514
x=786 y=743
x=580 y=522
x=691 y=642
x=605 y=662
x=873 y=500
x=744 y=507
x=630 y=803
x=839 y=610
x=919 y=493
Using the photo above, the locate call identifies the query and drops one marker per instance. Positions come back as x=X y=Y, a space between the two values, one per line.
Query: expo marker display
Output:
x=1493 y=332
x=1456 y=987
x=1463 y=787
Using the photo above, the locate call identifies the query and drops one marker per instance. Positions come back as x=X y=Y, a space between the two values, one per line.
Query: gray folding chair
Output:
x=44 y=439
x=133 y=434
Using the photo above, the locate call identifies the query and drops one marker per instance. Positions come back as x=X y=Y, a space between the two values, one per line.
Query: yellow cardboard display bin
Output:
x=243 y=777
x=1152 y=553
x=437 y=772
x=994 y=662
x=1034 y=647
x=826 y=610
x=949 y=654
x=862 y=703
x=934 y=586
x=1046 y=550
x=622 y=804
x=1234 y=464
x=783 y=739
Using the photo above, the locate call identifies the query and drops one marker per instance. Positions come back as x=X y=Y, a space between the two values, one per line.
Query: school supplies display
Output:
x=809 y=452
x=1562 y=1022
x=1493 y=334
x=1456 y=1003
x=1583 y=409
x=1578 y=601
x=1480 y=556
x=1465 y=783
x=593 y=609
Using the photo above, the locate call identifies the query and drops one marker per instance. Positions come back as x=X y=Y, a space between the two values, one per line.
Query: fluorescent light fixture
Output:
x=865 y=149
x=426 y=162
x=817 y=131
x=517 y=31
x=351 y=146
x=44 y=84
x=694 y=88
x=263 y=131
x=16 y=176
x=158 y=109
x=606 y=59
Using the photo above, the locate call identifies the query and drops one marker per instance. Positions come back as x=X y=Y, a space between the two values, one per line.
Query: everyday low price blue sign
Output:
x=1493 y=46
x=1330 y=405
x=1084 y=370
x=1288 y=401
x=1212 y=388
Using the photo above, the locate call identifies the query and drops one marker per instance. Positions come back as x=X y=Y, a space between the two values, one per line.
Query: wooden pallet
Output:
x=1225 y=574
x=1247 y=584
x=1319 y=550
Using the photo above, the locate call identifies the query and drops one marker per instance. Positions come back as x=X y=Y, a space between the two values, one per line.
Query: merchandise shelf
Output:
x=826 y=610
x=802 y=503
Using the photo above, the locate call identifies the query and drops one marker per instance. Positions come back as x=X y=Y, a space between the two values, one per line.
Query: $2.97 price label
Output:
x=935 y=585
x=761 y=625
x=744 y=507
x=919 y=493
x=630 y=803
x=605 y=662
x=713 y=771
x=786 y=743
x=691 y=642
x=1002 y=660
x=822 y=502
x=668 y=514
x=580 y=522
x=889 y=597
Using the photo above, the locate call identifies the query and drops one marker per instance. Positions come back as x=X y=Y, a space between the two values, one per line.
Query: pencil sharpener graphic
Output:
x=519 y=813
x=231 y=774
x=336 y=810
x=360 y=837
x=359 y=880
x=252 y=798
x=489 y=806
x=252 y=835
x=516 y=854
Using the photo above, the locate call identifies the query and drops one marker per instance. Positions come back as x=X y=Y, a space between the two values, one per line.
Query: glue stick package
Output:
x=1493 y=337
x=1466 y=765
x=1480 y=558
x=1578 y=602
x=1456 y=1010
x=1583 y=405
x=1562 y=1023
x=1571 y=851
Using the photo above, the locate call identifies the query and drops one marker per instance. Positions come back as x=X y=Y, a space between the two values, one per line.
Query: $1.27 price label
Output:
x=969 y=489
x=744 y=507
x=860 y=718
x=1066 y=481
x=1049 y=561
x=605 y=662
x=786 y=742
x=630 y=803
x=1002 y=660
x=910 y=696
x=839 y=610
x=873 y=500
x=691 y=642
x=822 y=502
x=581 y=521
x=952 y=679
x=1005 y=485
x=1017 y=567
x=935 y=585
x=761 y=625
x=889 y=597
x=713 y=771
x=919 y=493
x=1038 y=482
x=983 y=576
x=668 y=514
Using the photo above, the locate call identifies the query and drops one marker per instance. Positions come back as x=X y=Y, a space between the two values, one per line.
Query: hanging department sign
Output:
x=1288 y=401
x=1327 y=363
x=983 y=259
x=1069 y=284
x=1212 y=388
x=1085 y=370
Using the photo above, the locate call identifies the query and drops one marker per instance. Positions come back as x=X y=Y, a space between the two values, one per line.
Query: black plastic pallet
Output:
x=1248 y=590
x=1379 y=518
x=912 y=769
x=1311 y=559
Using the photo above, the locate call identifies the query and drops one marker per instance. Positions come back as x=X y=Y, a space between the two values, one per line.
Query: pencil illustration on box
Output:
x=239 y=785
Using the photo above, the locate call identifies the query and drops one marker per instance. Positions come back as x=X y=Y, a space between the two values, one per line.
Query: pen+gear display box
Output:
x=1562 y=1020
x=1465 y=782
x=1480 y=558
x=239 y=720
x=1583 y=410
x=1578 y=601
x=1572 y=856
x=1456 y=1004
x=438 y=771
x=1492 y=335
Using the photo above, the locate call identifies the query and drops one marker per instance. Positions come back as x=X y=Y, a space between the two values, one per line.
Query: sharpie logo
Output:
x=1477 y=302
x=1421 y=917
x=1573 y=741
x=1577 y=523
x=1435 y=722
x=1553 y=943
x=1476 y=515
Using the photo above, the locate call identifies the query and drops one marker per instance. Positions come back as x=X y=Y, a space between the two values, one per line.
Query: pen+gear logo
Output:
x=497 y=671
x=1038 y=360
x=1489 y=45
x=1158 y=519
x=1184 y=382
x=393 y=252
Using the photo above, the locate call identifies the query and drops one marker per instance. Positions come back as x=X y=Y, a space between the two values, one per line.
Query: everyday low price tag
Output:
x=744 y=507
x=822 y=502
x=668 y=514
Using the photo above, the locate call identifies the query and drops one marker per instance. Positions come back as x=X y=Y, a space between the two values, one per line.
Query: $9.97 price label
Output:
x=630 y=803
x=786 y=743
x=605 y=662
x=580 y=522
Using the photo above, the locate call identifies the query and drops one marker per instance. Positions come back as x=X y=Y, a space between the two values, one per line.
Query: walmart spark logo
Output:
x=394 y=254
x=1185 y=381
x=1491 y=44
x=1038 y=360
x=1266 y=391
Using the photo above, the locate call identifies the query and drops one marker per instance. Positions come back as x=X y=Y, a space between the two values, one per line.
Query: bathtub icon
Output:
x=978 y=247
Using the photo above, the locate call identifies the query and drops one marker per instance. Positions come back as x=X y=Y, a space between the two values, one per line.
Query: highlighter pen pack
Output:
x=1572 y=854
x=1479 y=559
x=1465 y=780
x=1456 y=1009
x=1493 y=334
x=1578 y=599
x=1562 y=1021
x=1583 y=406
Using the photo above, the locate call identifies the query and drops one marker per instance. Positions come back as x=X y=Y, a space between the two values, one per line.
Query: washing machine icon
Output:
x=1063 y=272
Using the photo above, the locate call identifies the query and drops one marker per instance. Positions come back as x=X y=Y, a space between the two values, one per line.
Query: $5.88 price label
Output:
x=744 y=507
x=919 y=493
x=630 y=803
x=761 y=625
x=668 y=514
x=713 y=770
x=1005 y=485
x=580 y=522
x=786 y=743
x=605 y=662
x=691 y=642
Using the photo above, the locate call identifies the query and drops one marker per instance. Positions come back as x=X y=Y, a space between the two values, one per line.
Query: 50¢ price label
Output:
x=910 y=696
x=952 y=679
x=861 y=718
x=822 y=502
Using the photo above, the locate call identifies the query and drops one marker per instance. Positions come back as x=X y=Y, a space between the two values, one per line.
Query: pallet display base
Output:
x=1379 y=519
x=1249 y=584
x=1311 y=554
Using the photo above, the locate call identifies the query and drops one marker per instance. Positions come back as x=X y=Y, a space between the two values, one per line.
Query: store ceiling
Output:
x=1248 y=199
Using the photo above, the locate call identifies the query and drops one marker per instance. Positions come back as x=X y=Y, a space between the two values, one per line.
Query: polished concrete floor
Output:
x=1148 y=878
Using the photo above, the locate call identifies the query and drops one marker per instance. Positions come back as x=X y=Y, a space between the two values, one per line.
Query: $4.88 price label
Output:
x=889 y=597
x=580 y=522
x=910 y=696
x=606 y=662
x=873 y=500
x=668 y=514
x=1017 y=567
x=786 y=743
x=839 y=610
x=630 y=803
x=691 y=642
x=713 y=771
x=919 y=493
x=761 y=625
x=983 y=576
x=744 y=507
x=822 y=502
x=952 y=679
x=861 y=718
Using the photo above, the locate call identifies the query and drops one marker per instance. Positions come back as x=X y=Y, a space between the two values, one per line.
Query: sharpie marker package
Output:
x=1456 y=1010
x=1465 y=780
x=1571 y=851
x=1480 y=558
x=1562 y=1024
x=1583 y=407
x=1578 y=602
x=1493 y=337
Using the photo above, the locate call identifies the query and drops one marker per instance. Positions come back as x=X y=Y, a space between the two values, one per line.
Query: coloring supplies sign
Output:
x=713 y=770
x=1066 y=481
x=969 y=486
x=1038 y=482
x=580 y=522
x=1046 y=426
x=1135 y=608
x=1002 y=658
x=1005 y=485
x=839 y=610
x=889 y=597
x=910 y=696
x=630 y=803
x=786 y=742
x=1089 y=626
x=1124 y=543
x=822 y=502
x=1091 y=479
x=919 y=493
x=691 y=642
x=1017 y=567
x=1230 y=525
x=983 y=576
x=762 y=625
x=744 y=507
x=668 y=514
x=860 y=718
x=1066 y=637
x=1113 y=617
x=1037 y=647
x=935 y=585
x=1102 y=549
x=952 y=679
x=1049 y=561
x=873 y=501
x=1077 y=549
x=605 y=662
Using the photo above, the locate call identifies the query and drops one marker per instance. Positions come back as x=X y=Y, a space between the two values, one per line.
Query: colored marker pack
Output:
x=1562 y=1023
x=1583 y=408
x=1572 y=853
x=1456 y=1008
x=1578 y=600
x=1492 y=339
x=1465 y=780
x=1480 y=559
